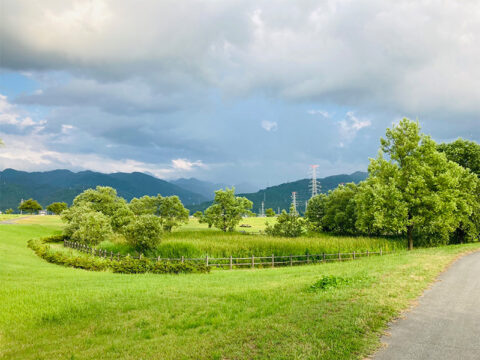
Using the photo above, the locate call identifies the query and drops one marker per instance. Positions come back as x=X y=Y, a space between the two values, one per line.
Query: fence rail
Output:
x=238 y=262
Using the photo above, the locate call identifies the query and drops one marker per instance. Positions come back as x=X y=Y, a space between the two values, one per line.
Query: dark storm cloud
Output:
x=231 y=83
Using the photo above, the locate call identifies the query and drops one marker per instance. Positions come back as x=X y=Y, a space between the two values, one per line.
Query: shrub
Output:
x=144 y=232
x=288 y=225
x=329 y=281
x=92 y=228
x=56 y=257
x=126 y=265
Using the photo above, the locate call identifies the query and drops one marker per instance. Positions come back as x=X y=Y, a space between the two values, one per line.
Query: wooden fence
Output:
x=238 y=262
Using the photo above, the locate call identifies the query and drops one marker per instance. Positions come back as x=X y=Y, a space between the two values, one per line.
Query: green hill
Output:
x=280 y=196
x=64 y=185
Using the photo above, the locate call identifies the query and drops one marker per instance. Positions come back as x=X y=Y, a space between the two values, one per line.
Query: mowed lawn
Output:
x=52 y=312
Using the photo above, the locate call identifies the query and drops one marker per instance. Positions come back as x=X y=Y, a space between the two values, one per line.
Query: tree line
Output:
x=415 y=188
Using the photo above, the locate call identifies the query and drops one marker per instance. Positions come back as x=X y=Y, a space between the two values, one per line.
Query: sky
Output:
x=230 y=91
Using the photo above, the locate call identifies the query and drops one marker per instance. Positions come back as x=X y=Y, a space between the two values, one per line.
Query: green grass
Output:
x=195 y=240
x=4 y=217
x=52 y=312
x=217 y=244
x=255 y=224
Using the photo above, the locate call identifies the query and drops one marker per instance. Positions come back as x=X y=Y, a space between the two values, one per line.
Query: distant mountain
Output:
x=207 y=189
x=280 y=197
x=64 y=185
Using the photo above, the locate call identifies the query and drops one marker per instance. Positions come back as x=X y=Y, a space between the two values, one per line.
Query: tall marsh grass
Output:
x=218 y=244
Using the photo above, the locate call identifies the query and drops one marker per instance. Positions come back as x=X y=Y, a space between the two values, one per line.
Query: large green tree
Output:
x=315 y=212
x=172 y=213
x=227 y=209
x=412 y=188
x=103 y=200
x=30 y=206
x=340 y=210
x=57 y=207
x=169 y=209
x=464 y=152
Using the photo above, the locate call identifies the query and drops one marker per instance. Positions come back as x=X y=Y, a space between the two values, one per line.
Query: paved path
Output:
x=446 y=322
x=14 y=220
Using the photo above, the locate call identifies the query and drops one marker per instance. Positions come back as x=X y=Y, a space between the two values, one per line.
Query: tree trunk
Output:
x=410 y=237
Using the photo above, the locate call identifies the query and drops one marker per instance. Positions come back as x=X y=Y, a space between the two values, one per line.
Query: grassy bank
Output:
x=52 y=312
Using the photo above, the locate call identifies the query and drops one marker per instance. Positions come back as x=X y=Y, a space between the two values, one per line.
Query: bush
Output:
x=328 y=282
x=288 y=225
x=92 y=228
x=56 y=257
x=144 y=232
x=126 y=265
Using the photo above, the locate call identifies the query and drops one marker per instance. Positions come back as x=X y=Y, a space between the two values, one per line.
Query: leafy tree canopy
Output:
x=412 y=188
x=57 y=207
x=463 y=152
x=227 y=209
x=287 y=224
x=270 y=212
x=30 y=206
x=315 y=212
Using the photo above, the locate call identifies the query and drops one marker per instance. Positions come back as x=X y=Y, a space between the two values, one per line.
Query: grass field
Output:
x=196 y=240
x=52 y=312
x=4 y=217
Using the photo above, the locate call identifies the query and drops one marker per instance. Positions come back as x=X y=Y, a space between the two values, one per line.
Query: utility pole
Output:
x=294 y=201
x=262 y=213
x=314 y=184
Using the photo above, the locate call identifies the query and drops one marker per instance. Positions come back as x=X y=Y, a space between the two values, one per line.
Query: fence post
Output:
x=206 y=260
x=231 y=262
x=308 y=258
x=324 y=258
x=140 y=257
x=118 y=256
x=291 y=262
x=380 y=252
x=111 y=255
x=253 y=262
x=273 y=260
x=183 y=259
x=353 y=254
x=339 y=256
x=368 y=254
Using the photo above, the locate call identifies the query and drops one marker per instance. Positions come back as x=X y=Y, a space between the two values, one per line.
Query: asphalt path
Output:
x=14 y=220
x=446 y=322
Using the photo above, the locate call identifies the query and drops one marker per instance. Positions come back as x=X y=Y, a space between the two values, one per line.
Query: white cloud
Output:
x=350 y=126
x=35 y=156
x=186 y=165
x=269 y=125
x=344 y=51
x=11 y=115
x=323 y=113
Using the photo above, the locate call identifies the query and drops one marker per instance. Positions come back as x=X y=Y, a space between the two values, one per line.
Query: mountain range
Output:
x=280 y=196
x=207 y=189
x=63 y=185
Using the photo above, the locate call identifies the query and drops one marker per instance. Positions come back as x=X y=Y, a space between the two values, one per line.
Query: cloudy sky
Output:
x=230 y=91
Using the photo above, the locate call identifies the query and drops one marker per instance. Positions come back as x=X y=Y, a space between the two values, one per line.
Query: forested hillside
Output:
x=64 y=185
x=280 y=196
